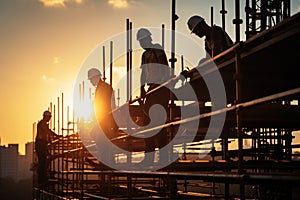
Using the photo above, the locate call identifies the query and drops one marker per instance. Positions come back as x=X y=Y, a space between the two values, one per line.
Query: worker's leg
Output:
x=42 y=162
x=149 y=150
x=162 y=141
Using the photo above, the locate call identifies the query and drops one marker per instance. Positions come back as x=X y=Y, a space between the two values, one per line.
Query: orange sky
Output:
x=45 y=42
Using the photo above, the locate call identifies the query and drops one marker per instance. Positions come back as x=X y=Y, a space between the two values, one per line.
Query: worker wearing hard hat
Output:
x=216 y=39
x=94 y=75
x=104 y=103
x=43 y=137
x=155 y=71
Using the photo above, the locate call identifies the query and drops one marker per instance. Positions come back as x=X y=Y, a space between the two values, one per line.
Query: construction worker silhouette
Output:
x=155 y=71
x=216 y=39
x=104 y=103
x=43 y=137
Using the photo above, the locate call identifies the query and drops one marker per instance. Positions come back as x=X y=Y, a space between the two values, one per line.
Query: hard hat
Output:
x=47 y=113
x=142 y=33
x=194 y=21
x=93 y=72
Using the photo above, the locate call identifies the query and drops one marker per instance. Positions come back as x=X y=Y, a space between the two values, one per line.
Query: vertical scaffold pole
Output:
x=51 y=121
x=130 y=61
x=111 y=64
x=211 y=16
x=33 y=160
x=173 y=61
x=67 y=145
x=61 y=141
x=58 y=144
x=223 y=13
x=237 y=21
x=128 y=65
x=51 y=151
x=104 y=77
x=238 y=125
x=163 y=36
x=53 y=118
x=182 y=68
x=127 y=58
x=58 y=117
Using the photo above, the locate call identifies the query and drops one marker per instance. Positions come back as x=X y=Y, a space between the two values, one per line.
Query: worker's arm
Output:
x=217 y=48
x=143 y=82
x=52 y=134
x=218 y=42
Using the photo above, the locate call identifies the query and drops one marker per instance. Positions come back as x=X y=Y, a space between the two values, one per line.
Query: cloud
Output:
x=58 y=3
x=118 y=3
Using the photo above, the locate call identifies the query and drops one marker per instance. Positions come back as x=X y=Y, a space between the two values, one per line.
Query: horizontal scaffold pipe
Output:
x=49 y=194
x=61 y=137
x=78 y=149
x=95 y=196
x=217 y=177
x=205 y=115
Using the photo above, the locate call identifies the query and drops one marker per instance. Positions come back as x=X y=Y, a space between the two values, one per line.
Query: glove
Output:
x=184 y=74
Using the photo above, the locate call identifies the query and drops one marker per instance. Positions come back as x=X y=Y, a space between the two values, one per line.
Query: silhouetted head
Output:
x=197 y=25
x=47 y=115
x=94 y=75
x=144 y=37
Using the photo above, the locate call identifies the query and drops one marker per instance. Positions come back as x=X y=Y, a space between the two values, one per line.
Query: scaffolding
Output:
x=262 y=90
x=263 y=14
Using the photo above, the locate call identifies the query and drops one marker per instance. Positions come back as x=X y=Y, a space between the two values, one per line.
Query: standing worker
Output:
x=43 y=137
x=104 y=105
x=216 y=39
x=155 y=71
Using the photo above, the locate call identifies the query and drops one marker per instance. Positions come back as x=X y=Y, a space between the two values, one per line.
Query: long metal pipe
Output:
x=111 y=63
x=103 y=49
x=61 y=142
x=127 y=57
x=62 y=111
x=58 y=116
x=163 y=36
x=51 y=121
x=53 y=117
x=174 y=18
x=223 y=13
x=130 y=61
x=237 y=21
x=238 y=121
x=253 y=15
x=211 y=16
x=247 y=9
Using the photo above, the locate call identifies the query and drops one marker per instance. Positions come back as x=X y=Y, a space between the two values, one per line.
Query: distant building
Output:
x=9 y=158
x=13 y=165
x=25 y=162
